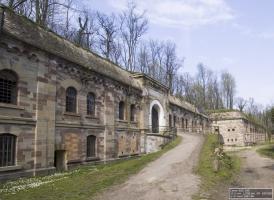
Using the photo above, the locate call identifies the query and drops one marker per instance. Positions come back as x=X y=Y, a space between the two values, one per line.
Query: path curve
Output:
x=257 y=171
x=169 y=177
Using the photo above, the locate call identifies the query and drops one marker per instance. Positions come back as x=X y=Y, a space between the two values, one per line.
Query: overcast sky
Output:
x=232 y=35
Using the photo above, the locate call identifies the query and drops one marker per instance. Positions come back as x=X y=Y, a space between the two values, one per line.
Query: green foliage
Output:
x=82 y=183
x=229 y=165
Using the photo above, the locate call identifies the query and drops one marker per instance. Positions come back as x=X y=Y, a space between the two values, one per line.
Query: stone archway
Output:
x=156 y=117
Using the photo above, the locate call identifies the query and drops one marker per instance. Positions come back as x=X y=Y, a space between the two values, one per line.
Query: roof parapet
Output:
x=186 y=105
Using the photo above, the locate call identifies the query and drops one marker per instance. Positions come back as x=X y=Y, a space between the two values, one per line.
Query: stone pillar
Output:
x=45 y=116
x=110 y=149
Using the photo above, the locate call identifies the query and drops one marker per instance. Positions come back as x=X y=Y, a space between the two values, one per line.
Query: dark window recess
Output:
x=183 y=123
x=8 y=87
x=71 y=98
x=155 y=119
x=91 y=104
x=121 y=110
x=7 y=150
x=174 y=121
x=170 y=120
x=91 y=145
x=132 y=112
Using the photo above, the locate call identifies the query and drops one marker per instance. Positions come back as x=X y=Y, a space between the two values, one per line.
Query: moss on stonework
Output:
x=221 y=111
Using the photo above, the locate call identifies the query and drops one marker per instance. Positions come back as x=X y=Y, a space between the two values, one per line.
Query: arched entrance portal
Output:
x=155 y=119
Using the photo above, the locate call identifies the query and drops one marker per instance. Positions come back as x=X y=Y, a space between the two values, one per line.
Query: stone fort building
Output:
x=236 y=129
x=61 y=105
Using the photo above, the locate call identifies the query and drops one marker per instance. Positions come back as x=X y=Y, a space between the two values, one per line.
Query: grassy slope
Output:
x=230 y=165
x=267 y=151
x=85 y=182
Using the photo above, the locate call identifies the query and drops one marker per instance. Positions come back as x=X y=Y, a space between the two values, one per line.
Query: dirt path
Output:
x=169 y=177
x=256 y=172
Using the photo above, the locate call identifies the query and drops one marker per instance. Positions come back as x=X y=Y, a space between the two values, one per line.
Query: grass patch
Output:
x=267 y=151
x=229 y=166
x=80 y=184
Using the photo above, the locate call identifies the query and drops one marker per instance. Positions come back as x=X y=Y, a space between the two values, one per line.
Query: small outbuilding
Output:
x=237 y=129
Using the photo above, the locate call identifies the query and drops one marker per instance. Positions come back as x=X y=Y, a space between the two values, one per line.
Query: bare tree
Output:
x=133 y=27
x=23 y=7
x=187 y=82
x=252 y=108
x=171 y=64
x=42 y=11
x=87 y=29
x=202 y=77
x=67 y=30
x=217 y=95
x=14 y=4
x=106 y=33
x=228 y=89
x=116 y=53
x=241 y=103
x=143 y=59
x=156 y=69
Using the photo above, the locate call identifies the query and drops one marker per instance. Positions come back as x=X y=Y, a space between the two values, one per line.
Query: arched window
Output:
x=121 y=110
x=71 y=99
x=91 y=146
x=155 y=118
x=91 y=104
x=8 y=87
x=132 y=112
x=7 y=150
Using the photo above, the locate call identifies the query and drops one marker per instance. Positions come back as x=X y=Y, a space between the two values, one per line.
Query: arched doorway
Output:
x=155 y=119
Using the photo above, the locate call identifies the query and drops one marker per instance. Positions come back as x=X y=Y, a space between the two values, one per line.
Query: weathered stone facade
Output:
x=236 y=129
x=129 y=108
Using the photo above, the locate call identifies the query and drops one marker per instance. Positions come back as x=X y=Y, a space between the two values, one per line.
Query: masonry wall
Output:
x=49 y=137
x=232 y=131
x=186 y=121
x=239 y=132
x=32 y=118
x=41 y=123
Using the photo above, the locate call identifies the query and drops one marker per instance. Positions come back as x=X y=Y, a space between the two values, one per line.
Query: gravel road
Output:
x=257 y=171
x=169 y=177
